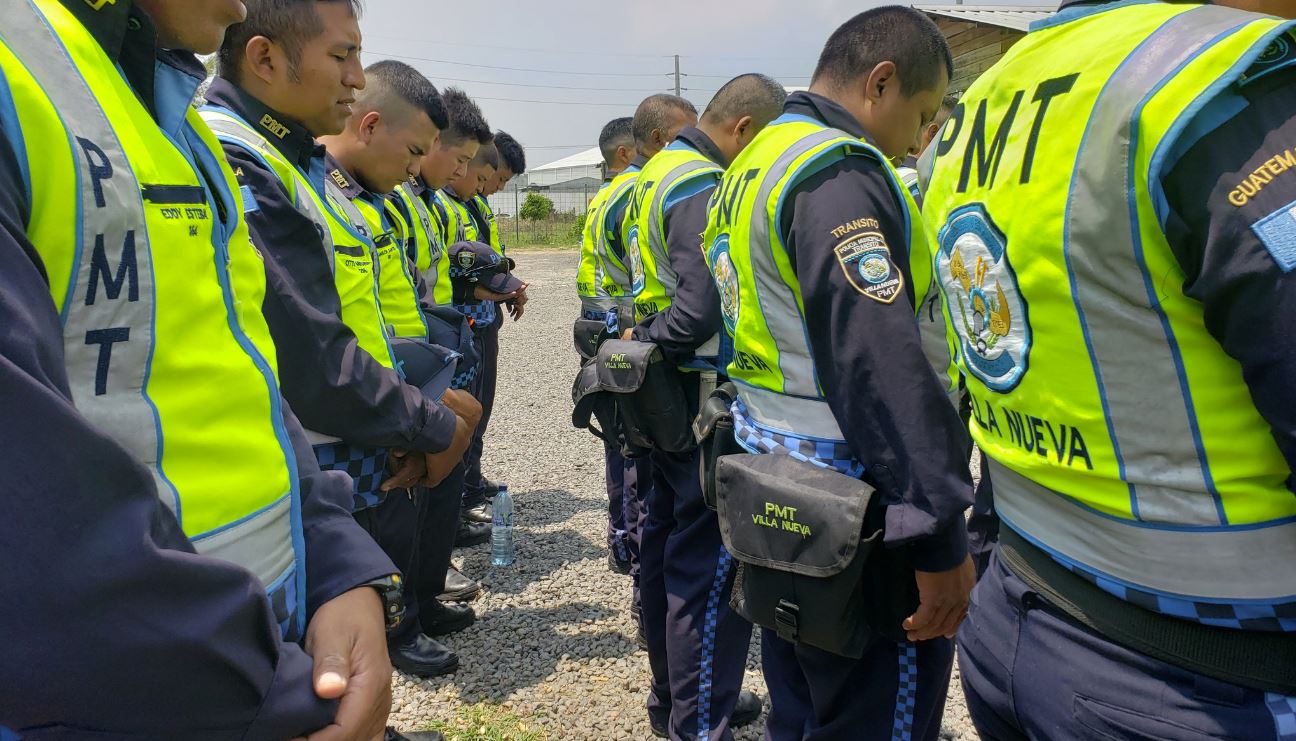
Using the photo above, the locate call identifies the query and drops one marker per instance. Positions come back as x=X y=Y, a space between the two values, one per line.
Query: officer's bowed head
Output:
x=889 y=68
x=616 y=144
x=740 y=109
x=395 y=122
x=299 y=57
x=658 y=120
x=461 y=139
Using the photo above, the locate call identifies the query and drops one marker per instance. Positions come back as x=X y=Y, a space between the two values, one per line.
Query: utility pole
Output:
x=677 y=75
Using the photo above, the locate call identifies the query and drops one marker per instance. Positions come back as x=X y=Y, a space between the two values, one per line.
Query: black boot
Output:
x=423 y=657
x=440 y=619
x=459 y=588
x=472 y=533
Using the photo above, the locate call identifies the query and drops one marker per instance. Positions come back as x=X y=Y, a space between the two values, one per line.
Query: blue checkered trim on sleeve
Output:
x=827 y=454
x=1283 y=709
x=367 y=468
x=464 y=380
x=1273 y=618
x=482 y=312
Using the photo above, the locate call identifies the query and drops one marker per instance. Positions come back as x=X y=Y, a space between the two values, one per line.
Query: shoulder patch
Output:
x=1280 y=53
x=1277 y=232
x=865 y=258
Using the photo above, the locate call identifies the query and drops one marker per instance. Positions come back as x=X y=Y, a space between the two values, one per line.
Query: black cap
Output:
x=479 y=263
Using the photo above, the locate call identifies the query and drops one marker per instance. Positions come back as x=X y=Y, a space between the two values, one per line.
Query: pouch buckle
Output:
x=787 y=620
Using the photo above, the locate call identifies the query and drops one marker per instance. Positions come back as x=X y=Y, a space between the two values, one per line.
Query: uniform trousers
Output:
x=396 y=524
x=1030 y=673
x=440 y=523
x=894 y=691
x=618 y=532
x=697 y=645
x=483 y=389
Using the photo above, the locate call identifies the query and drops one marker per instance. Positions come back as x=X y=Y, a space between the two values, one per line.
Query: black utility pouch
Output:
x=653 y=408
x=588 y=335
x=714 y=431
x=594 y=409
x=798 y=532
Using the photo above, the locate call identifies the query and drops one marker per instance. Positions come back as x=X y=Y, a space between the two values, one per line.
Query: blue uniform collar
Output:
x=826 y=111
x=697 y=140
x=349 y=185
x=284 y=134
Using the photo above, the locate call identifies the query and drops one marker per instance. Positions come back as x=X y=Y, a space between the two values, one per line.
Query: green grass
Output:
x=486 y=722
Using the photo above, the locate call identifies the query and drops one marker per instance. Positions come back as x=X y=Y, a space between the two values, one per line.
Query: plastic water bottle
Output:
x=502 y=530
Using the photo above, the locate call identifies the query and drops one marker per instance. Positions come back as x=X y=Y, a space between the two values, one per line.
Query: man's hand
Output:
x=628 y=334
x=517 y=305
x=407 y=471
x=468 y=414
x=348 y=642
x=942 y=602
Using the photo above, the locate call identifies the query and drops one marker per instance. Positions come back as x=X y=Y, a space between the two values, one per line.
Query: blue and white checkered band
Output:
x=482 y=312
x=827 y=454
x=464 y=379
x=366 y=467
x=1276 y=618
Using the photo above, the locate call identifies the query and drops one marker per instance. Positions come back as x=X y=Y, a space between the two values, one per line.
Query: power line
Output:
x=552 y=87
x=560 y=102
x=520 y=69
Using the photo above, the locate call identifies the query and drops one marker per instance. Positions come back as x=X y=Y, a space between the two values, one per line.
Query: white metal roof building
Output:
x=588 y=163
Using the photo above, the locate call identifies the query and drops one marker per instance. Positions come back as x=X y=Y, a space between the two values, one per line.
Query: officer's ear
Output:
x=262 y=58
x=880 y=81
x=367 y=126
x=744 y=130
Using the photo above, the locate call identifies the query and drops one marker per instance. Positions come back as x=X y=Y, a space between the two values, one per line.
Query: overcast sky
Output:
x=597 y=59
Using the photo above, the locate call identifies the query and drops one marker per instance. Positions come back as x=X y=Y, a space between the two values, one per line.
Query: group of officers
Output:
x=247 y=355
x=1084 y=260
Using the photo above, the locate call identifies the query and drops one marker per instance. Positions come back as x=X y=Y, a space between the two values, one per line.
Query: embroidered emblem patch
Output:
x=726 y=280
x=636 y=261
x=866 y=260
x=466 y=259
x=983 y=299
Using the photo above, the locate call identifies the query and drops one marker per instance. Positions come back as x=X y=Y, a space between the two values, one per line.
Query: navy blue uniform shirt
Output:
x=335 y=387
x=111 y=621
x=868 y=354
x=693 y=316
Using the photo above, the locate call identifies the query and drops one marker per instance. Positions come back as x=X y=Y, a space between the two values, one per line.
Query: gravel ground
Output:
x=554 y=644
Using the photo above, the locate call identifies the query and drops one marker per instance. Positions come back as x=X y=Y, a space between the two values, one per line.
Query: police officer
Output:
x=461 y=196
x=1131 y=363
x=697 y=645
x=270 y=100
x=821 y=273
x=616 y=144
x=660 y=118
x=160 y=577
x=447 y=160
x=390 y=130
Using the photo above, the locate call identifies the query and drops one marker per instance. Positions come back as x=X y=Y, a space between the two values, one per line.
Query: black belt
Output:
x=1261 y=660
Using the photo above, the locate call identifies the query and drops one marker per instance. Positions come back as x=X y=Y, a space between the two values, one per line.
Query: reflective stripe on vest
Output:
x=589 y=272
x=1094 y=378
x=350 y=253
x=653 y=280
x=150 y=335
x=760 y=294
x=428 y=247
x=616 y=281
x=487 y=213
x=397 y=296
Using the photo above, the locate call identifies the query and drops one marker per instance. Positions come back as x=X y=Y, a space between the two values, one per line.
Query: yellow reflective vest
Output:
x=1123 y=437
x=760 y=296
x=159 y=288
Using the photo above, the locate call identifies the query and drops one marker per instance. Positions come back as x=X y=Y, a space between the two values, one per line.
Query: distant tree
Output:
x=536 y=207
x=578 y=227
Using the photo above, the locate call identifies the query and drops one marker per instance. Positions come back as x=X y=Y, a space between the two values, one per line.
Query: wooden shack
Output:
x=979 y=35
